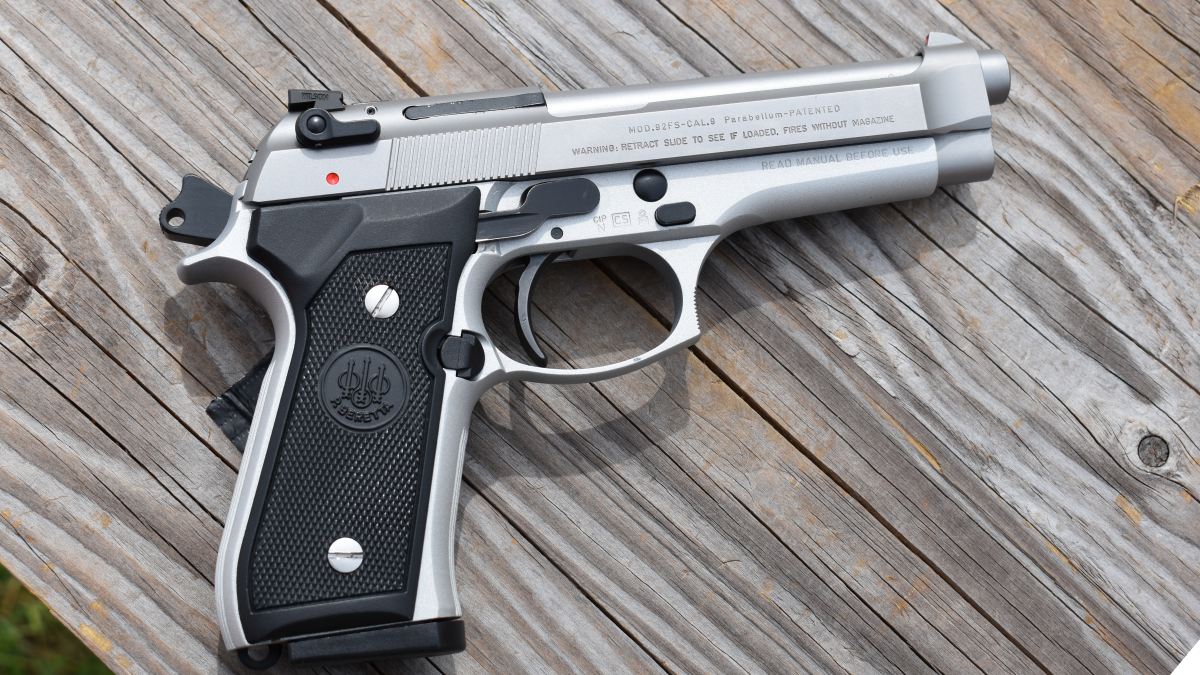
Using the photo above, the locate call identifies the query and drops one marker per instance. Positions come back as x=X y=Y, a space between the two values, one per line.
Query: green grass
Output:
x=33 y=641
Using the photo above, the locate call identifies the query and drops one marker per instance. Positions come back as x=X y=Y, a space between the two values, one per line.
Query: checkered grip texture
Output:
x=331 y=482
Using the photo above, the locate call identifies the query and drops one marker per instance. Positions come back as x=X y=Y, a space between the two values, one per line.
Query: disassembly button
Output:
x=650 y=185
x=679 y=213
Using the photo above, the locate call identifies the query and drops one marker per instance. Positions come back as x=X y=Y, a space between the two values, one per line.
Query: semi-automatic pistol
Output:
x=369 y=233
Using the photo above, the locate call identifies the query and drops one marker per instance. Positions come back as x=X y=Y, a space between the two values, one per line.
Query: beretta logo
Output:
x=364 y=387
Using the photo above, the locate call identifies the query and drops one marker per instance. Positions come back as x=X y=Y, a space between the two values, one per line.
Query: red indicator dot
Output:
x=332 y=178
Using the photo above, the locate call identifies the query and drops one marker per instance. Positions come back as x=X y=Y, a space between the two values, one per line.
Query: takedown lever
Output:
x=541 y=202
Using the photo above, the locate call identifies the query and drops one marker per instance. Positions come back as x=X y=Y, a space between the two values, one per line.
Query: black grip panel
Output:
x=349 y=461
x=352 y=448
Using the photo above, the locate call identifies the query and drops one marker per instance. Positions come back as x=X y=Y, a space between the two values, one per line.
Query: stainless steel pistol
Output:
x=369 y=232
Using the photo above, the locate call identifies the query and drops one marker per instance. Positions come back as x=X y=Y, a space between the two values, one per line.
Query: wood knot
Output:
x=1153 y=451
x=16 y=291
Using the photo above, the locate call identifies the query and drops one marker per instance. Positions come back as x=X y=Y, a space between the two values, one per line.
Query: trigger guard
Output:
x=683 y=259
x=678 y=339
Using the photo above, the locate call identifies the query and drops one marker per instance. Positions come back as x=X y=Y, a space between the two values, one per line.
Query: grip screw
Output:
x=381 y=301
x=345 y=555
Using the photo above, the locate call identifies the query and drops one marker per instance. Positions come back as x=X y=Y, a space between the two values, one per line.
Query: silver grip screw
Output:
x=381 y=301
x=345 y=555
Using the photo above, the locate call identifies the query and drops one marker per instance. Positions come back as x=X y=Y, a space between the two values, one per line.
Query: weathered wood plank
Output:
x=1129 y=81
x=51 y=343
x=523 y=612
x=594 y=522
x=108 y=234
x=92 y=518
x=747 y=498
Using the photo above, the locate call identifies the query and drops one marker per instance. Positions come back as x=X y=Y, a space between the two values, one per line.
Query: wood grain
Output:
x=907 y=443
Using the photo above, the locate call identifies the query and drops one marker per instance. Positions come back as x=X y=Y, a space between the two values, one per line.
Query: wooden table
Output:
x=908 y=441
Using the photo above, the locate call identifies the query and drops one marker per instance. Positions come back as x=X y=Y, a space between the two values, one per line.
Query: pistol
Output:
x=369 y=233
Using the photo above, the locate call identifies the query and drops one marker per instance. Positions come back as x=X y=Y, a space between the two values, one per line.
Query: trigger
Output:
x=524 y=292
